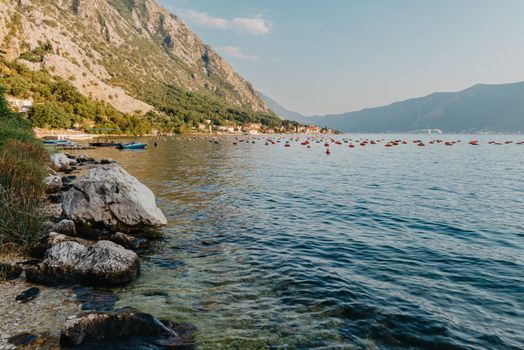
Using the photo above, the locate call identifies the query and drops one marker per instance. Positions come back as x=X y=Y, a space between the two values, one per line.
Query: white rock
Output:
x=53 y=183
x=60 y=162
x=104 y=263
x=109 y=197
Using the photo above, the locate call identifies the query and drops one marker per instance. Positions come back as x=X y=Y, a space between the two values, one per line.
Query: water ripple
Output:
x=365 y=249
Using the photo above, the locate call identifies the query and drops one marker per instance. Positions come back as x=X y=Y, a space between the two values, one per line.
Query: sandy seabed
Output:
x=42 y=317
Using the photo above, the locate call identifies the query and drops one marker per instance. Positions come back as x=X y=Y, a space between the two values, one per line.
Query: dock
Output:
x=79 y=148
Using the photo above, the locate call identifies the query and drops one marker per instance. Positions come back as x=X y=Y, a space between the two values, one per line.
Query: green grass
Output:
x=23 y=168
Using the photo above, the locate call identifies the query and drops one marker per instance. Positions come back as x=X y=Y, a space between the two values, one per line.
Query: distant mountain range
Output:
x=490 y=108
x=282 y=112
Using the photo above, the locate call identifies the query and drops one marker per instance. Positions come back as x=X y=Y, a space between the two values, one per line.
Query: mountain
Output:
x=280 y=111
x=131 y=54
x=495 y=108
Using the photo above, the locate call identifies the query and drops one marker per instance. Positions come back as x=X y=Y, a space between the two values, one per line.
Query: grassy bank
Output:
x=22 y=191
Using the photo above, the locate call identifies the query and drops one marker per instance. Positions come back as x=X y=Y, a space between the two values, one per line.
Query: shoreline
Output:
x=41 y=321
x=76 y=135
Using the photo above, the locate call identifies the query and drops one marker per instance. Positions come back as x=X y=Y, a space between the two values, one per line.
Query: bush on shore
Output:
x=22 y=171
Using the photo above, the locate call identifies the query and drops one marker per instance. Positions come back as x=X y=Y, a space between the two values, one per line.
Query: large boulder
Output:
x=107 y=197
x=125 y=329
x=104 y=263
x=61 y=162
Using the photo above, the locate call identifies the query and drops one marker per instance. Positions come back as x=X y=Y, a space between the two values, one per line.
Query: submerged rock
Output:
x=122 y=326
x=28 y=294
x=104 y=263
x=129 y=242
x=111 y=199
x=22 y=339
x=95 y=299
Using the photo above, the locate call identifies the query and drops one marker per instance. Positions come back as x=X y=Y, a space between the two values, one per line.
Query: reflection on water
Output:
x=273 y=247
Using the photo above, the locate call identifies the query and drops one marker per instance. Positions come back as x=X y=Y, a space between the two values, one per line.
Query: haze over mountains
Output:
x=480 y=108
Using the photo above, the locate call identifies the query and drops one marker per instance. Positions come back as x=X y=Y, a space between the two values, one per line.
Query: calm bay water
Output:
x=367 y=248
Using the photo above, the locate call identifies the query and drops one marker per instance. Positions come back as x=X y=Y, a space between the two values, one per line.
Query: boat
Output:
x=132 y=145
x=61 y=143
x=52 y=142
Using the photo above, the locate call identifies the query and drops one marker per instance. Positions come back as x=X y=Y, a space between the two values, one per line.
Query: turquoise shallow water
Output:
x=367 y=248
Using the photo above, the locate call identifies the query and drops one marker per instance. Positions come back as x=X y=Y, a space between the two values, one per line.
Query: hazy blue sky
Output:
x=332 y=56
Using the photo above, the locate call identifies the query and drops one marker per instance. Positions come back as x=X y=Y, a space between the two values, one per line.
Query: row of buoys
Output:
x=327 y=142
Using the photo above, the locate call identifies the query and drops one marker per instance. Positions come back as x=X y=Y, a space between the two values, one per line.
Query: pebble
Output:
x=43 y=316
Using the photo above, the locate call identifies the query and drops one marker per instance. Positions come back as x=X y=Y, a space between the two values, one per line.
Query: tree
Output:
x=50 y=115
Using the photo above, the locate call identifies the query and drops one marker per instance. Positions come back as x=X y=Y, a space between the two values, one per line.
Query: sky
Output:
x=321 y=57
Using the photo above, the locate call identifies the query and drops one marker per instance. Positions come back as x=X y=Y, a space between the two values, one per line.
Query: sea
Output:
x=369 y=247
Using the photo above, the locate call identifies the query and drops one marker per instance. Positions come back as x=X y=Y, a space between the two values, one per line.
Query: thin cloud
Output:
x=237 y=53
x=245 y=25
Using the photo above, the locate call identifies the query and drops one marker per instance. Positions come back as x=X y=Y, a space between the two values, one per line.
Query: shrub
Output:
x=50 y=115
x=22 y=189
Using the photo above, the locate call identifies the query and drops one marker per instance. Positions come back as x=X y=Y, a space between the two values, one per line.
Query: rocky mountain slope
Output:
x=481 y=108
x=127 y=53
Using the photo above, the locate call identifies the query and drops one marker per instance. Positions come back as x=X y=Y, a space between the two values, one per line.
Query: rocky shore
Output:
x=100 y=217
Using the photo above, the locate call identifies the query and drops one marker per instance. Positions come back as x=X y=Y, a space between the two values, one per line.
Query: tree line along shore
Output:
x=51 y=102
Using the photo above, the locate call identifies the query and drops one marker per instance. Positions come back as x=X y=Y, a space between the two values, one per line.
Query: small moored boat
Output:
x=132 y=145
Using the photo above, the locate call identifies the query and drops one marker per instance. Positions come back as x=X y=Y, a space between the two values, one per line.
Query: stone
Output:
x=54 y=210
x=61 y=162
x=68 y=180
x=66 y=227
x=55 y=198
x=122 y=326
x=107 y=161
x=107 y=197
x=53 y=183
x=82 y=159
x=28 y=294
x=129 y=242
x=109 y=263
x=10 y=271
x=104 y=263
x=52 y=239
x=22 y=339
x=70 y=170
x=95 y=299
